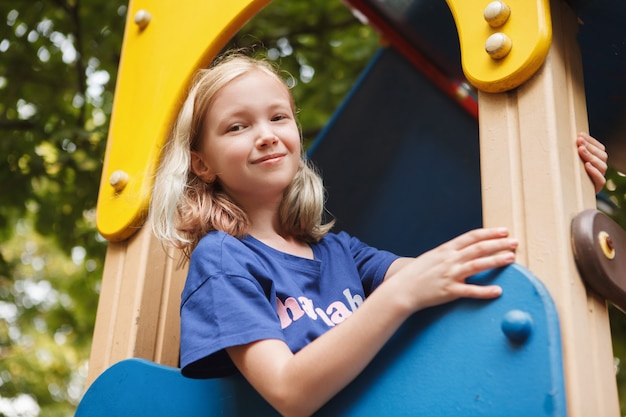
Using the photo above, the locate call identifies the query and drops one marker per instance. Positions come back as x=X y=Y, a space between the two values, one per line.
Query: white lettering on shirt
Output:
x=292 y=309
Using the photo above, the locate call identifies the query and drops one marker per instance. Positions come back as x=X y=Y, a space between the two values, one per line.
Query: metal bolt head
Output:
x=498 y=45
x=118 y=180
x=497 y=13
x=142 y=18
x=606 y=245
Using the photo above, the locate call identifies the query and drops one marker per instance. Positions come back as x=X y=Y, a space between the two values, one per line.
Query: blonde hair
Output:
x=184 y=207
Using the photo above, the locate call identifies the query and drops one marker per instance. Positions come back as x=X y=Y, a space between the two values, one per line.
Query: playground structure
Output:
x=531 y=103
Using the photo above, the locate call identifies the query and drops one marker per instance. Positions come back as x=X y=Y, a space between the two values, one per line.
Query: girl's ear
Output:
x=200 y=168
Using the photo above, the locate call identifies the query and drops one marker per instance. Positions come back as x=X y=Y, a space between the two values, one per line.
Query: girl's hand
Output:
x=438 y=276
x=594 y=156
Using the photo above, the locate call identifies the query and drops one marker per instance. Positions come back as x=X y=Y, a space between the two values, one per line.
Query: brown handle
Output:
x=599 y=246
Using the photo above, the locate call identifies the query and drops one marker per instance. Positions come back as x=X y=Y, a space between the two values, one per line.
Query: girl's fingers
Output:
x=479 y=291
x=476 y=251
x=488 y=247
x=593 y=151
x=490 y=244
x=592 y=141
x=478 y=235
x=596 y=176
x=594 y=156
x=481 y=264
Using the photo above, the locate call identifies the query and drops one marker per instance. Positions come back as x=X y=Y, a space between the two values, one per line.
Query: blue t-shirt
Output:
x=239 y=291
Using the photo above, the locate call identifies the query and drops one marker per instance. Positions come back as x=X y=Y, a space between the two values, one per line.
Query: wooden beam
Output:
x=138 y=311
x=534 y=183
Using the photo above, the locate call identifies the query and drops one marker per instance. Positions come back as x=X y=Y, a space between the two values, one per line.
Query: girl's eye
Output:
x=278 y=117
x=235 y=128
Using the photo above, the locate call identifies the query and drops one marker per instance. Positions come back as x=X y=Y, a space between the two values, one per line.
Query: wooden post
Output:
x=534 y=183
x=138 y=311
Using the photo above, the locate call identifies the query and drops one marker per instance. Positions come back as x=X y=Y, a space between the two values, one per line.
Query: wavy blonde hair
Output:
x=184 y=207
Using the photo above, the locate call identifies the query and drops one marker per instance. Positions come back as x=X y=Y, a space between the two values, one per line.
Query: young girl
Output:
x=299 y=311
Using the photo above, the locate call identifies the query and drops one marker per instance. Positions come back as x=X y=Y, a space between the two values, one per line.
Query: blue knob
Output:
x=517 y=325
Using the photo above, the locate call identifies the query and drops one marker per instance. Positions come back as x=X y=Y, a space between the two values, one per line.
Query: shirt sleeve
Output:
x=224 y=311
x=371 y=263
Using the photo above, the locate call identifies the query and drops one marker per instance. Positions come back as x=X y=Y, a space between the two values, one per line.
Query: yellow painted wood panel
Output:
x=156 y=65
x=526 y=29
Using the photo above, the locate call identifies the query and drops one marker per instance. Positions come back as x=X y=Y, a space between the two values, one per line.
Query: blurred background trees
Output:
x=58 y=63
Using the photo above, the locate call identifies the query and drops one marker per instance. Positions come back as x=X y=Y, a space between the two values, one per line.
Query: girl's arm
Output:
x=594 y=156
x=299 y=384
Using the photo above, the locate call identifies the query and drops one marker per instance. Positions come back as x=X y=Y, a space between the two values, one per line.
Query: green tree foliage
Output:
x=58 y=63
x=616 y=191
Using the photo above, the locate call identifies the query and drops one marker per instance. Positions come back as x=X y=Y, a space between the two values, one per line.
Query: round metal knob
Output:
x=142 y=18
x=498 y=45
x=606 y=244
x=118 y=180
x=497 y=13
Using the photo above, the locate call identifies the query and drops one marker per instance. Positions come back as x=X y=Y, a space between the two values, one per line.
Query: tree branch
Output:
x=7 y=124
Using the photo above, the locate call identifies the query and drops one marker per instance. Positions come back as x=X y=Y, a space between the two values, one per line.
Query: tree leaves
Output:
x=53 y=135
x=53 y=117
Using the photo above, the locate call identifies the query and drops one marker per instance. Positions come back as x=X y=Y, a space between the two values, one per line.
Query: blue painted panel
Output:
x=400 y=161
x=140 y=388
x=451 y=360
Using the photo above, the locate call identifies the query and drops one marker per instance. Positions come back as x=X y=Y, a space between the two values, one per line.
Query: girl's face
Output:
x=251 y=142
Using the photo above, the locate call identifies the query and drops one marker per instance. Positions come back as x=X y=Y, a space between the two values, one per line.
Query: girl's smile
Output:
x=269 y=159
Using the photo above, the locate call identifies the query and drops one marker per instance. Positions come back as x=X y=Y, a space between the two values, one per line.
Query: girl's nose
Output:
x=266 y=137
